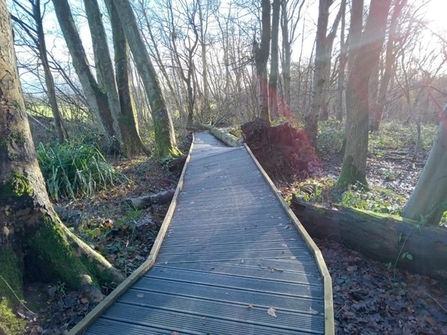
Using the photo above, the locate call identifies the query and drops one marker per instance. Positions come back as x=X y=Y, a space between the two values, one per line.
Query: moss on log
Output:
x=224 y=136
x=404 y=243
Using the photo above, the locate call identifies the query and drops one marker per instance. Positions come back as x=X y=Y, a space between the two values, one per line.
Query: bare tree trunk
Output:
x=261 y=55
x=342 y=66
x=357 y=90
x=324 y=112
x=49 y=81
x=319 y=79
x=203 y=26
x=97 y=100
x=132 y=143
x=103 y=63
x=390 y=58
x=164 y=129
x=273 y=78
x=286 y=52
x=32 y=238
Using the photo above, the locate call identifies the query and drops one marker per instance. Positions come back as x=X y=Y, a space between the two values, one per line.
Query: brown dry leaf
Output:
x=250 y=306
x=352 y=268
x=272 y=312
x=140 y=295
x=175 y=333
x=84 y=301
x=312 y=311
x=430 y=320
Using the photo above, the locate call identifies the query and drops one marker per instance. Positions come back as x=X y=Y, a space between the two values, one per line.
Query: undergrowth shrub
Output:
x=73 y=170
x=330 y=137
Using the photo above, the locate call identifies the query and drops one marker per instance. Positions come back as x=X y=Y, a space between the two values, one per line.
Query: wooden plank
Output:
x=143 y=268
x=328 y=302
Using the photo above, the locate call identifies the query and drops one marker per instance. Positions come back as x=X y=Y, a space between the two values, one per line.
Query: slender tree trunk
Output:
x=96 y=98
x=319 y=79
x=103 y=62
x=202 y=27
x=428 y=201
x=49 y=81
x=390 y=59
x=324 y=112
x=286 y=63
x=273 y=79
x=342 y=66
x=164 y=129
x=261 y=55
x=33 y=241
x=357 y=93
x=132 y=143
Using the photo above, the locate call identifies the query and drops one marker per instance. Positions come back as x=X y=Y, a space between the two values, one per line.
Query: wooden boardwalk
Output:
x=232 y=259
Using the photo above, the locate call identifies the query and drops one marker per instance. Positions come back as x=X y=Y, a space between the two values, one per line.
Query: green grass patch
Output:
x=9 y=322
x=75 y=170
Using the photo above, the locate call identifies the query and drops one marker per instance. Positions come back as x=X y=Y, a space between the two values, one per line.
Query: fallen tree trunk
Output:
x=146 y=201
x=403 y=243
x=224 y=136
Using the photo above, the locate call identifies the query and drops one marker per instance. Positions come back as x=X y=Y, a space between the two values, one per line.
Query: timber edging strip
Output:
x=143 y=268
x=321 y=264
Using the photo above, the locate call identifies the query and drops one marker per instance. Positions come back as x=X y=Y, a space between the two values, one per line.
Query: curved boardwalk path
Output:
x=232 y=261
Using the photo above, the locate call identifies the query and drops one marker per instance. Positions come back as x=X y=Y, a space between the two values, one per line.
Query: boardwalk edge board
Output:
x=143 y=268
x=327 y=281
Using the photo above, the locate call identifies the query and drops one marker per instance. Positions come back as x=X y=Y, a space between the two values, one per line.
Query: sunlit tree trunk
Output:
x=428 y=201
x=261 y=55
x=164 y=129
x=357 y=91
x=286 y=62
x=33 y=242
x=273 y=78
x=96 y=98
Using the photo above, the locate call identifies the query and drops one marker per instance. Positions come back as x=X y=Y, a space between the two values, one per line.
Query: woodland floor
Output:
x=369 y=298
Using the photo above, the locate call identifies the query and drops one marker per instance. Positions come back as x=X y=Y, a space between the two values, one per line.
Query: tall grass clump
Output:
x=75 y=170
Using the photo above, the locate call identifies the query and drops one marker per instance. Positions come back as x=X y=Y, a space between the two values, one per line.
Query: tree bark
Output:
x=286 y=53
x=49 y=81
x=146 y=201
x=97 y=99
x=33 y=242
x=402 y=243
x=428 y=201
x=103 y=63
x=132 y=143
x=164 y=129
x=342 y=66
x=274 y=60
x=261 y=55
x=319 y=77
x=390 y=59
x=357 y=91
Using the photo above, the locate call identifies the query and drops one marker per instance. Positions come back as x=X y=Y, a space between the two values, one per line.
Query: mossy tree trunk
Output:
x=132 y=143
x=428 y=201
x=274 y=61
x=363 y=59
x=96 y=97
x=34 y=244
x=164 y=129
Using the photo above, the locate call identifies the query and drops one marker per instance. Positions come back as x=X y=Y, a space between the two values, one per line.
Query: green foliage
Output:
x=330 y=137
x=393 y=136
x=375 y=199
x=315 y=190
x=73 y=170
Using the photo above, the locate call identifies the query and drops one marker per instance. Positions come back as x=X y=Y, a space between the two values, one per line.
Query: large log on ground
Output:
x=406 y=244
x=224 y=136
x=146 y=201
